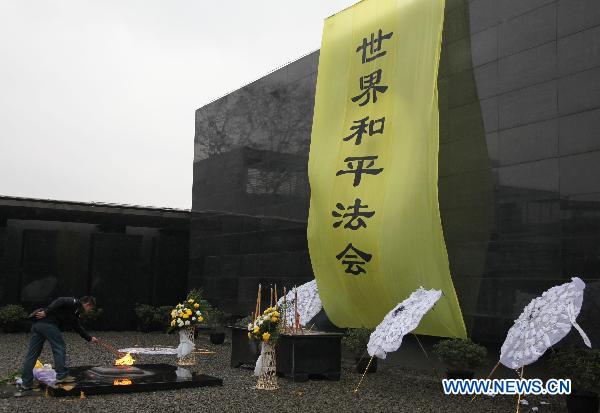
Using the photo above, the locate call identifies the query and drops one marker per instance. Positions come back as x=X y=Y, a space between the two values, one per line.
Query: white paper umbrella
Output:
x=308 y=305
x=403 y=319
x=545 y=321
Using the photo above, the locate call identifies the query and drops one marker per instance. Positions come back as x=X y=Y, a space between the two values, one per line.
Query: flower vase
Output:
x=185 y=351
x=267 y=378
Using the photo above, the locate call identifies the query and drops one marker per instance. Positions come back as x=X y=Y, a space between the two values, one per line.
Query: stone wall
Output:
x=519 y=88
x=66 y=252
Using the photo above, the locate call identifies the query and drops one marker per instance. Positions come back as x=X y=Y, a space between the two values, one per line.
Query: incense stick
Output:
x=295 y=308
x=259 y=298
x=110 y=348
x=285 y=313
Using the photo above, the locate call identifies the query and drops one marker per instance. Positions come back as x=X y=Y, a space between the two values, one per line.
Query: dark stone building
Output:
x=121 y=254
x=519 y=86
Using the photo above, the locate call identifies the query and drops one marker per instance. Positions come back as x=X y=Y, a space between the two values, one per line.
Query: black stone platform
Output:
x=143 y=377
x=311 y=355
x=244 y=351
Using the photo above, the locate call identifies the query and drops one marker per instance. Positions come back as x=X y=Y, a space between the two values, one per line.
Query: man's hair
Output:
x=88 y=299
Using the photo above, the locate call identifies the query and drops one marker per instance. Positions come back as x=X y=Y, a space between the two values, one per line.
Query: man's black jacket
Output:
x=65 y=312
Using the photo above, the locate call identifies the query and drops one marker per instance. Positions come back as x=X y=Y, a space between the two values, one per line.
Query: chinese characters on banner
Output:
x=370 y=85
x=374 y=228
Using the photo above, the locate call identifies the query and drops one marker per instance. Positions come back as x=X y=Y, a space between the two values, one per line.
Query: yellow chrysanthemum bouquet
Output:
x=265 y=326
x=186 y=314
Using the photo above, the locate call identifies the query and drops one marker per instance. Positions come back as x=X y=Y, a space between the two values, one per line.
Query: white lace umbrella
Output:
x=545 y=321
x=308 y=305
x=403 y=319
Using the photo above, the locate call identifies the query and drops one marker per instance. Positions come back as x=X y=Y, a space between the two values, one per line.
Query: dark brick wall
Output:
x=121 y=266
x=516 y=178
x=233 y=254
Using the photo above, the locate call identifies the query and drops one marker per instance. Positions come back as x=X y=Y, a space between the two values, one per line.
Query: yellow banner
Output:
x=374 y=229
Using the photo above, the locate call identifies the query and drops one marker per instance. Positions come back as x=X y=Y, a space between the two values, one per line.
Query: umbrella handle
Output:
x=363 y=375
x=427 y=356
x=519 y=397
x=489 y=375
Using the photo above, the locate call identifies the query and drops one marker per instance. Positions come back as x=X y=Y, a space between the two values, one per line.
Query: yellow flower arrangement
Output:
x=264 y=327
x=186 y=314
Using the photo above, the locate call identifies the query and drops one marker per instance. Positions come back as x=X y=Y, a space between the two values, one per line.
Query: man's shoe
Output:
x=66 y=379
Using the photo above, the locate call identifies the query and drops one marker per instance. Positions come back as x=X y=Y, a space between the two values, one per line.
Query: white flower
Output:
x=187 y=323
x=250 y=326
x=198 y=312
x=193 y=318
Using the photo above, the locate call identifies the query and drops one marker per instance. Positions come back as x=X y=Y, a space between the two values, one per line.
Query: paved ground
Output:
x=391 y=389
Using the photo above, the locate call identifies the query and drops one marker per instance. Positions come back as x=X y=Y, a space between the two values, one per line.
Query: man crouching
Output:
x=62 y=314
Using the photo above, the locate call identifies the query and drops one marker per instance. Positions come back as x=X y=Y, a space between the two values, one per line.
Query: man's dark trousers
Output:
x=40 y=332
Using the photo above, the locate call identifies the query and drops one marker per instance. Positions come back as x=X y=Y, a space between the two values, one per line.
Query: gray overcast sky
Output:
x=97 y=98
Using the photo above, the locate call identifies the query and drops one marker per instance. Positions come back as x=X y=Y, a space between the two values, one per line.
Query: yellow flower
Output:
x=249 y=335
x=256 y=329
x=275 y=314
x=200 y=318
x=274 y=319
x=185 y=316
x=266 y=336
x=196 y=305
x=173 y=323
x=187 y=310
x=191 y=300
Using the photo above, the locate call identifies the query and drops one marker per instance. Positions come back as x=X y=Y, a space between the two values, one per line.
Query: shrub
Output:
x=580 y=365
x=460 y=354
x=163 y=316
x=216 y=318
x=11 y=316
x=152 y=318
x=356 y=340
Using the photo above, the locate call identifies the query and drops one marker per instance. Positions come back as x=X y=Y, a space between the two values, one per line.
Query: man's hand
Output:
x=94 y=340
x=40 y=314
